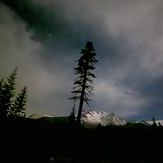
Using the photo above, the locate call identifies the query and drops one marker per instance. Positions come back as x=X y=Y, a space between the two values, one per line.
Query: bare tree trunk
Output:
x=82 y=97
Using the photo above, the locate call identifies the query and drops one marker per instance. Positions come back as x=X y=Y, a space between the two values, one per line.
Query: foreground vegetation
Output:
x=27 y=140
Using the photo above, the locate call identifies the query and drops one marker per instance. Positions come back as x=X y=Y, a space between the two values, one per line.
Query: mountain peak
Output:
x=96 y=117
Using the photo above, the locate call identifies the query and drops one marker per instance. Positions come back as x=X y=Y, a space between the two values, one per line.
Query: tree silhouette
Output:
x=7 y=93
x=83 y=83
x=2 y=110
x=18 y=108
x=71 y=118
x=154 y=121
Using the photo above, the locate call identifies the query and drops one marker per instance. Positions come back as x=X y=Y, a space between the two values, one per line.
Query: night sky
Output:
x=44 y=38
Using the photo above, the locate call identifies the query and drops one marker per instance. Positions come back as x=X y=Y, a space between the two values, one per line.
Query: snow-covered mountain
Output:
x=141 y=122
x=94 y=118
x=37 y=116
x=90 y=118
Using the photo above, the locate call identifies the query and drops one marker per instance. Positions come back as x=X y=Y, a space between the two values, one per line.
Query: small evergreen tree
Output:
x=154 y=122
x=18 y=109
x=71 y=118
x=8 y=104
x=83 y=84
x=2 y=111
x=7 y=91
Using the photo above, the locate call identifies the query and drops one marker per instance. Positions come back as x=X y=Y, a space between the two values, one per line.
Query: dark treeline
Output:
x=26 y=140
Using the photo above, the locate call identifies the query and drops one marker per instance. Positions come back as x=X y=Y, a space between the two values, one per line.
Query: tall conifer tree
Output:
x=83 y=83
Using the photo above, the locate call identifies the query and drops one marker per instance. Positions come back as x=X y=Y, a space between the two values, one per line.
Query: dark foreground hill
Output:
x=40 y=141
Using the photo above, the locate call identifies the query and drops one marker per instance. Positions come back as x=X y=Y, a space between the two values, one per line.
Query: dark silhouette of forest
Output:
x=61 y=139
x=28 y=140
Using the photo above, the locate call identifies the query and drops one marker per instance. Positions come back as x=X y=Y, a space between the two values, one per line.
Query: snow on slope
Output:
x=96 y=117
x=143 y=122
x=158 y=122
x=37 y=116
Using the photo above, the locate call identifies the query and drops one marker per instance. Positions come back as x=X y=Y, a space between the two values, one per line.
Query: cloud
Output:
x=16 y=43
x=45 y=85
x=38 y=20
x=119 y=99
x=139 y=27
x=135 y=28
